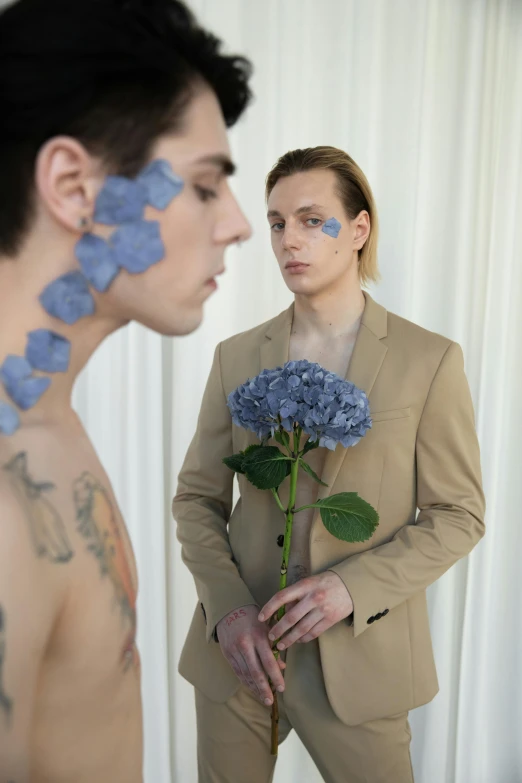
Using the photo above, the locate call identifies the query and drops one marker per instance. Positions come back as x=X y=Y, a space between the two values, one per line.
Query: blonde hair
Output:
x=352 y=188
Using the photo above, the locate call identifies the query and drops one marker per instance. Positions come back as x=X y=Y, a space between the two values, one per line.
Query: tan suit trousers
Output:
x=234 y=737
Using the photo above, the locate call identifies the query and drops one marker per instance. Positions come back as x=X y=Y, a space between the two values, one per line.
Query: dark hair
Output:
x=114 y=74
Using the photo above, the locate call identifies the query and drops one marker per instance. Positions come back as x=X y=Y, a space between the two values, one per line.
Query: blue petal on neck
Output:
x=17 y=376
x=97 y=261
x=160 y=183
x=48 y=351
x=9 y=419
x=68 y=298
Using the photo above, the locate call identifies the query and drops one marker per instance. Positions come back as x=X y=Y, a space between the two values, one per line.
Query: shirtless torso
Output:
x=71 y=609
x=335 y=356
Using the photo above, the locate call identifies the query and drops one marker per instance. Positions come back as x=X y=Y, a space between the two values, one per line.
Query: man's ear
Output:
x=362 y=228
x=67 y=181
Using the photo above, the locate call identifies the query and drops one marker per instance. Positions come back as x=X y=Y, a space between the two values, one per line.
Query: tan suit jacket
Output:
x=421 y=455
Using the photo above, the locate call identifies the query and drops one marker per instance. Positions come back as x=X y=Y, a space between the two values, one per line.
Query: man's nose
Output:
x=234 y=226
x=291 y=238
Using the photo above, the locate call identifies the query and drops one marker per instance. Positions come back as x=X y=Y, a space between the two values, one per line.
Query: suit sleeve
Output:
x=449 y=498
x=203 y=504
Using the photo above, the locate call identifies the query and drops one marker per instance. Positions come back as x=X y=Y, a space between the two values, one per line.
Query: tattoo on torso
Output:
x=98 y=524
x=47 y=529
x=6 y=704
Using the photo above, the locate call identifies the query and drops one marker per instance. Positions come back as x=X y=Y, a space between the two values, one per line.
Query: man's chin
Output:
x=180 y=325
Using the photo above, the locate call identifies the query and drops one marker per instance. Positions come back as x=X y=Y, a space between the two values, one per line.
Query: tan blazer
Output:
x=421 y=454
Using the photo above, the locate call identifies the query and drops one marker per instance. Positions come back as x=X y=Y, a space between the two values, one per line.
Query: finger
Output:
x=271 y=667
x=246 y=675
x=303 y=627
x=316 y=631
x=282 y=664
x=257 y=674
x=289 y=619
x=293 y=593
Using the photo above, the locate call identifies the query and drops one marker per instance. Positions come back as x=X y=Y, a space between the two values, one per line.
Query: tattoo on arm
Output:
x=46 y=526
x=98 y=524
x=235 y=616
x=6 y=704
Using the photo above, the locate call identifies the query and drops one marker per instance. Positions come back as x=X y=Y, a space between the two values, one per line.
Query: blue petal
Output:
x=332 y=228
x=9 y=419
x=121 y=200
x=68 y=298
x=23 y=389
x=97 y=261
x=137 y=246
x=161 y=184
x=48 y=351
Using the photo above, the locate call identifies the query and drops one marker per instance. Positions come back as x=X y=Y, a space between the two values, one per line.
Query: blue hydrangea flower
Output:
x=16 y=374
x=326 y=406
x=121 y=200
x=137 y=246
x=9 y=419
x=97 y=261
x=68 y=298
x=48 y=351
x=161 y=184
x=332 y=227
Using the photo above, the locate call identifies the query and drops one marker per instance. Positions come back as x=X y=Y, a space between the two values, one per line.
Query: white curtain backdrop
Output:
x=426 y=95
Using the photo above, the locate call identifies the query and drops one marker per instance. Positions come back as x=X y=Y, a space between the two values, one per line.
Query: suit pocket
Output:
x=397 y=413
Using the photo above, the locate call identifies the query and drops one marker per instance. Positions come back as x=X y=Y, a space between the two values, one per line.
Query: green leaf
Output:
x=235 y=462
x=307 y=469
x=281 y=436
x=310 y=446
x=348 y=517
x=266 y=467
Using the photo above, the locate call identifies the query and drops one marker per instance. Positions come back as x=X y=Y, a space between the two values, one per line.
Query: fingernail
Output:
x=281 y=688
x=261 y=618
x=271 y=637
x=268 y=702
x=280 y=646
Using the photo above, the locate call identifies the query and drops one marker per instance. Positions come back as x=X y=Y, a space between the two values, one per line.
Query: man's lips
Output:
x=295 y=264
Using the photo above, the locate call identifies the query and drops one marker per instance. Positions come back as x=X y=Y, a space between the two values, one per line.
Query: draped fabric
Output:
x=426 y=95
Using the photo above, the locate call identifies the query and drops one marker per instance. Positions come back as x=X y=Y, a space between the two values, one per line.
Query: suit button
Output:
x=371 y=620
x=280 y=540
x=385 y=612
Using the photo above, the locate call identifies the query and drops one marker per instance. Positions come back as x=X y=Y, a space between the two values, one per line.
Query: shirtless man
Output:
x=114 y=206
x=355 y=634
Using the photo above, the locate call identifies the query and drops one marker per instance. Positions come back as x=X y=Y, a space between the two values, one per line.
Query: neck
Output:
x=21 y=282
x=329 y=314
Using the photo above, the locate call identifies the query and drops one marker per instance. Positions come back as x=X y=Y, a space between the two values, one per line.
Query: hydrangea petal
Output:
x=121 y=200
x=332 y=227
x=161 y=183
x=24 y=390
x=137 y=246
x=9 y=419
x=48 y=351
x=97 y=261
x=68 y=298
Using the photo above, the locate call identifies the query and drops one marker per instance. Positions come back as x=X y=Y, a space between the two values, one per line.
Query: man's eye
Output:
x=316 y=223
x=204 y=193
x=277 y=226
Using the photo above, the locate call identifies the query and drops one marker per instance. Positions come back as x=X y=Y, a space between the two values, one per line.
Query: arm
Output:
x=28 y=603
x=203 y=504
x=449 y=497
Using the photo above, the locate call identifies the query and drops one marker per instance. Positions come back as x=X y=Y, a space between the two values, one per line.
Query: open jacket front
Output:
x=421 y=455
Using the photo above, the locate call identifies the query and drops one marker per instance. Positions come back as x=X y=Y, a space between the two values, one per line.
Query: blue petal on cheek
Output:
x=160 y=183
x=137 y=246
x=97 y=261
x=68 y=298
x=9 y=419
x=48 y=351
x=24 y=390
x=332 y=227
x=121 y=200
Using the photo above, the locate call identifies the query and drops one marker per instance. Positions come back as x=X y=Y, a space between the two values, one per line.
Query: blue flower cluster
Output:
x=326 y=406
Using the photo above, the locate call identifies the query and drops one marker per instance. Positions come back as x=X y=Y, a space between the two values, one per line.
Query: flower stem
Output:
x=278 y=500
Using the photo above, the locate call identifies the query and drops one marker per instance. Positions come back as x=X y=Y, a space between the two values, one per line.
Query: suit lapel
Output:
x=367 y=358
x=274 y=350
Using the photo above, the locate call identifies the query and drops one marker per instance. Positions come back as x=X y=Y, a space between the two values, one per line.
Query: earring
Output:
x=83 y=223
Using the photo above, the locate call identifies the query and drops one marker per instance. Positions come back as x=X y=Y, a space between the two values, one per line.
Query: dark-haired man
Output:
x=114 y=205
x=356 y=633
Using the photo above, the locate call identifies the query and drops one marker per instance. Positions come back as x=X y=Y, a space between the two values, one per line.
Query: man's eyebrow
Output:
x=223 y=162
x=300 y=211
